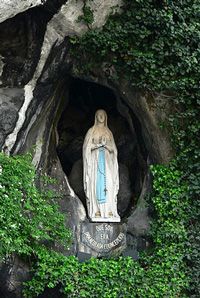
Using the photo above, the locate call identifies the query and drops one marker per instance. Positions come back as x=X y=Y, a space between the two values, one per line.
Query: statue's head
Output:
x=101 y=117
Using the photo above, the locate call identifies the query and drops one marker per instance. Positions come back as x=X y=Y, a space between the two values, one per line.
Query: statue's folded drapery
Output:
x=100 y=172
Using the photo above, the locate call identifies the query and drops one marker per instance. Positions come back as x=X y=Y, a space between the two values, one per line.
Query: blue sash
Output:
x=101 y=177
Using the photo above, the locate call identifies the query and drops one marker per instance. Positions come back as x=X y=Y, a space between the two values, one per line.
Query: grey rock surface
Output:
x=12 y=274
x=10 y=8
x=10 y=102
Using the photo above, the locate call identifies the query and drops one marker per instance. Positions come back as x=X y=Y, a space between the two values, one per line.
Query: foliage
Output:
x=155 y=46
x=87 y=16
x=159 y=273
x=29 y=217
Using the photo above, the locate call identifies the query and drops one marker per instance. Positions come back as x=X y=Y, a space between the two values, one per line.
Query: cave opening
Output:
x=84 y=99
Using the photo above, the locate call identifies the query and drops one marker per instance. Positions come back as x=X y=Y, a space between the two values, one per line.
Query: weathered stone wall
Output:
x=10 y=8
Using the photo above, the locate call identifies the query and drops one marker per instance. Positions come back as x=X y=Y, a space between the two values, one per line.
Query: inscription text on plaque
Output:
x=103 y=237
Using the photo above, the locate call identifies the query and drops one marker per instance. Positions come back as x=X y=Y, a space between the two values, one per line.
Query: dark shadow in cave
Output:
x=84 y=99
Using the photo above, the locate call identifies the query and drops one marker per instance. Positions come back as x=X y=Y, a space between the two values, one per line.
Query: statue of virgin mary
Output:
x=100 y=171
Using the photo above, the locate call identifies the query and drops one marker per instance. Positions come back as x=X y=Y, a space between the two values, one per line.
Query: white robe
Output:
x=108 y=210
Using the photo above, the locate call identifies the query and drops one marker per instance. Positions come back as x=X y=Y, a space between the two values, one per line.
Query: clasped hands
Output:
x=102 y=143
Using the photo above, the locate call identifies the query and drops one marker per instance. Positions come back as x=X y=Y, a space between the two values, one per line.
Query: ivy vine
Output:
x=158 y=273
x=155 y=46
x=30 y=219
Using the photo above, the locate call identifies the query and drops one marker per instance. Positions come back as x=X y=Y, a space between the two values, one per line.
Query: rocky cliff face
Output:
x=45 y=102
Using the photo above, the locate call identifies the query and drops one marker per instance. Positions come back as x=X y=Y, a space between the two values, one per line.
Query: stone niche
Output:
x=78 y=116
x=83 y=99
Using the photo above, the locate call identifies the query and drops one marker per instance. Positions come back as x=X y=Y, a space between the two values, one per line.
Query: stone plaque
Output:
x=103 y=237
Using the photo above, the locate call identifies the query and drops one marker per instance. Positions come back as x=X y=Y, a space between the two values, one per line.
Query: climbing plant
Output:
x=87 y=16
x=31 y=223
x=155 y=46
x=29 y=217
x=160 y=272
